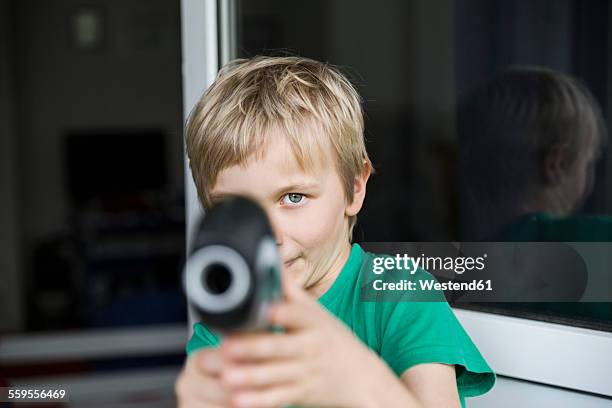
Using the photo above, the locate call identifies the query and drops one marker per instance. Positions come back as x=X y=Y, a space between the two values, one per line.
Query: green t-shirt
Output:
x=544 y=227
x=403 y=334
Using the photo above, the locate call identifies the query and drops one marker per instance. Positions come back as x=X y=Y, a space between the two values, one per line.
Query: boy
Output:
x=288 y=132
x=529 y=142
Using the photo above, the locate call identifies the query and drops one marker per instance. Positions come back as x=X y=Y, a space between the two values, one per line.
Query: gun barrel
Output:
x=233 y=271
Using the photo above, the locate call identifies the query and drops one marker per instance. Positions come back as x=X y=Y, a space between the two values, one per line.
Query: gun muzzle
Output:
x=232 y=274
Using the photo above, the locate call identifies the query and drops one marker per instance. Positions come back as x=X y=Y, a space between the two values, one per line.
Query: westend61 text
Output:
x=428 y=285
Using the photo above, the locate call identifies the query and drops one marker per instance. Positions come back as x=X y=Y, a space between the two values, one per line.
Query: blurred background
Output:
x=92 y=196
x=92 y=177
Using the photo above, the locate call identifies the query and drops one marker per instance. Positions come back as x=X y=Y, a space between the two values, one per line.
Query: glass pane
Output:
x=416 y=65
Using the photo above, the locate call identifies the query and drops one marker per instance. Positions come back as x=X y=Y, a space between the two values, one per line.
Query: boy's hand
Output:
x=317 y=361
x=198 y=385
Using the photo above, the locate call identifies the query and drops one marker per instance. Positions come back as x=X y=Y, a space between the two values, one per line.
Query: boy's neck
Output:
x=328 y=280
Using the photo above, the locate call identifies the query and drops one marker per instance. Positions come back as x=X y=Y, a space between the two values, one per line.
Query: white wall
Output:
x=511 y=393
x=200 y=65
x=561 y=365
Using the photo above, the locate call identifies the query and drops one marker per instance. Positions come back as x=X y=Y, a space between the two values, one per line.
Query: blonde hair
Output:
x=250 y=98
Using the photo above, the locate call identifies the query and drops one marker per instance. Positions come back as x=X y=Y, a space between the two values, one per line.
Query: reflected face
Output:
x=579 y=182
x=307 y=208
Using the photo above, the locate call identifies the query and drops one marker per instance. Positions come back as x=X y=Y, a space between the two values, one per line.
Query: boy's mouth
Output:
x=290 y=262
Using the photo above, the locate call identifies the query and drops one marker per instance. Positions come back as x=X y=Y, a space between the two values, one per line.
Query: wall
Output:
x=133 y=81
x=510 y=393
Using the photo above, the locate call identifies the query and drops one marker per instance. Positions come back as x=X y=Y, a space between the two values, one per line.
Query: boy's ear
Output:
x=556 y=164
x=359 y=191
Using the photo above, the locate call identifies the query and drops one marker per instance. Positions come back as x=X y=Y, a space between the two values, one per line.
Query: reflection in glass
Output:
x=412 y=62
x=529 y=141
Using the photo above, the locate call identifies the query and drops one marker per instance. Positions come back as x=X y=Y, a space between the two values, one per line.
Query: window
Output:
x=414 y=64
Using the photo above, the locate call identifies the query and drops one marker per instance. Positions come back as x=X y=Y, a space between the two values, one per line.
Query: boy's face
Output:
x=307 y=209
x=579 y=183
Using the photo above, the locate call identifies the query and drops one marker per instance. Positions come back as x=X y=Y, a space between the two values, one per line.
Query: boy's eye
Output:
x=293 y=198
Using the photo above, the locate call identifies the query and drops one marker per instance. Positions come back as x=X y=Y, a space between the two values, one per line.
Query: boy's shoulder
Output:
x=418 y=326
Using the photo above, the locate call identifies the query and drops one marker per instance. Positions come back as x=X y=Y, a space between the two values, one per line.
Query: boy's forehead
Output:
x=274 y=166
x=305 y=149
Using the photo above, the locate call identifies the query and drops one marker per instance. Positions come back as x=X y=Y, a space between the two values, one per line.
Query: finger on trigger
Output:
x=209 y=361
x=263 y=346
x=292 y=316
x=202 y=388
x=260 y=375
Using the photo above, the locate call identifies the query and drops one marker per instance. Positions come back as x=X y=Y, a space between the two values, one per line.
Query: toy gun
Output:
x=232 y=274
